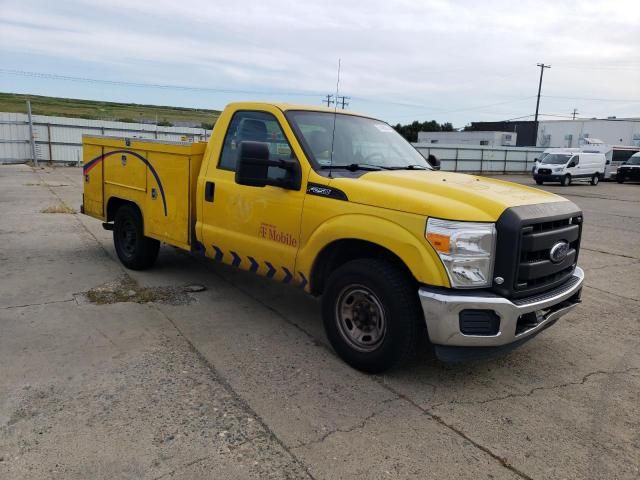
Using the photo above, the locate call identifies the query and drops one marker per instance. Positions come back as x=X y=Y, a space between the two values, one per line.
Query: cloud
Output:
x=446 y=55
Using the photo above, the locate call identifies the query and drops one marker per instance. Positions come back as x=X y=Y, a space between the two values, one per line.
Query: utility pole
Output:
x=32 y=141
x=575 y=112
x=542 y=67
x=328 y=100
x=343 y=103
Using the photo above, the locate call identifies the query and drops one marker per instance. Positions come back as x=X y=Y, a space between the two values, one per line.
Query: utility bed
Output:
x=156 y=175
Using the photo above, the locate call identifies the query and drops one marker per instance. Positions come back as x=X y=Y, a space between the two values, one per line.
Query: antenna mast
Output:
x=335 y=114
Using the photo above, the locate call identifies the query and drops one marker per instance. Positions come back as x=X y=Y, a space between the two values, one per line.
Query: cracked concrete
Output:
x=537 y=389
x=242 y=383
x=357 y=426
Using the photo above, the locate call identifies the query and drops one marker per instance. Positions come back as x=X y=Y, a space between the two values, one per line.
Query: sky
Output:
x=401 y=61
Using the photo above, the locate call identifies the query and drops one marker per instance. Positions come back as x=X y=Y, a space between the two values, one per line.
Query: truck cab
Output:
x=341 y=206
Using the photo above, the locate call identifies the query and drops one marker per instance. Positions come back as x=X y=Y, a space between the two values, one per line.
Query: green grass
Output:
x=97 y=110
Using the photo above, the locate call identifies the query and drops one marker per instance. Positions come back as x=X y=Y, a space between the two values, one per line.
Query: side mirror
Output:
x=536 y=160
x=253 y=166
x=571 y=164
x=434 y=162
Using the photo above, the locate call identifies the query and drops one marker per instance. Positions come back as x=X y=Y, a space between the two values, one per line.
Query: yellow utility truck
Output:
x=340 y=205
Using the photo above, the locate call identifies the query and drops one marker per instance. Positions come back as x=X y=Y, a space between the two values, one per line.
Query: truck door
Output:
x=253 y=228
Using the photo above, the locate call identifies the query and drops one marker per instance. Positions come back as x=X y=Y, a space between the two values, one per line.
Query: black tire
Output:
x=134 y=250
x=539 y=182
x=374 y=285
x=619 y=179
x=566 y=180
x=595 y=179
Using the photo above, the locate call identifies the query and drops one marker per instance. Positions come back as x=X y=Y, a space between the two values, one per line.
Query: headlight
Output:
x=466 y=250
x=557 y=169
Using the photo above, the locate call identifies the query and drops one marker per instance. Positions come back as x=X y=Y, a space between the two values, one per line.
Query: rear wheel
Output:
x=619 y=179
x=371 y=314
x=134 y=250
x=566 y=180
x=595 y=179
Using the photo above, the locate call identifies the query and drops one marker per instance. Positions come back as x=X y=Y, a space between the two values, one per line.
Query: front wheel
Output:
x=595 y=179
x=619 y=179
x=371 y=314
x=539 y=182
x=134 y=250
x=566 y=180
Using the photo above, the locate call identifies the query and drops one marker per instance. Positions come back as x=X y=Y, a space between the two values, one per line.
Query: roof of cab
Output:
x=292 y=106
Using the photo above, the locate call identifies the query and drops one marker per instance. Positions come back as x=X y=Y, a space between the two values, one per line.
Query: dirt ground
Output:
x=108 y=373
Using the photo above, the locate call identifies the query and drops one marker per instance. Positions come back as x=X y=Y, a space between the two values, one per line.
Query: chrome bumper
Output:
x=442 y=309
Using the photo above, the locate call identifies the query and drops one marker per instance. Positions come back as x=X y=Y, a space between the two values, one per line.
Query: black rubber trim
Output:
x=550 y=294
x=454 y=354
x=326 y=191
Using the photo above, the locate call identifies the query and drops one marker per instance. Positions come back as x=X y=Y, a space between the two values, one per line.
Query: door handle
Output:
x=209 y=190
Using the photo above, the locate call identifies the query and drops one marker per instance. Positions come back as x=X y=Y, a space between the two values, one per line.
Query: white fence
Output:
x=59 y=139
x=478 y=159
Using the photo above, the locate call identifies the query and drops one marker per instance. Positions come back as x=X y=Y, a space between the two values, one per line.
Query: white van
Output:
x=567 y=165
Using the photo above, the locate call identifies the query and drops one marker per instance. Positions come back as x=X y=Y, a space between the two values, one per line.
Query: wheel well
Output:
x=341 y=251
x=114 y=204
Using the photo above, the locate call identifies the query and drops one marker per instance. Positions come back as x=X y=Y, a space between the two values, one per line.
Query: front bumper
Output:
x=548 y=177
x=628 y=174
x=520 y=319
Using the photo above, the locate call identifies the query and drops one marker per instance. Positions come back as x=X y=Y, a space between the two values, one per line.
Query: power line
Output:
x=429 y=109
x=634 y=120
x=390 y=102
x=478 y=107
x=594 y=99
x=600 y=67
x=52 y=76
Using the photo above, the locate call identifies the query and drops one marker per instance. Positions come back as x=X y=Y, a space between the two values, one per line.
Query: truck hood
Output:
x=441 y=194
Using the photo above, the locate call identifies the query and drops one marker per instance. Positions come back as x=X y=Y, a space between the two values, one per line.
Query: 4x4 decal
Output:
x=324 y=191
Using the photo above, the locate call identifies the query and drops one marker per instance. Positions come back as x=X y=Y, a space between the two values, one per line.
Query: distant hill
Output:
x=97 y=110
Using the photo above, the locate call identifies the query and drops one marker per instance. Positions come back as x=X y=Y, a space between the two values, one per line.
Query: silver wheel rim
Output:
x=360 y=317
x=595 y=180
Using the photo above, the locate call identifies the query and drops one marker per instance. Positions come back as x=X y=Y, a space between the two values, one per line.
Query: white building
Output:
x=490 y=139
x=572 y=133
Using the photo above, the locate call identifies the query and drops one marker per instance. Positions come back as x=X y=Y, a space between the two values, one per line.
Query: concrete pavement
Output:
x=240 y=382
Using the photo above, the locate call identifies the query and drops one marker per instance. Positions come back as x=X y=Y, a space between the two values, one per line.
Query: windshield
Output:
x=358 y=141
x=556 y=158
x=633 y=161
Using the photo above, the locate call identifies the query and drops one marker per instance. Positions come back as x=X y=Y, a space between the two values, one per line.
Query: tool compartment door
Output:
x=125 y=168
x=168 y=198
x=93 y=198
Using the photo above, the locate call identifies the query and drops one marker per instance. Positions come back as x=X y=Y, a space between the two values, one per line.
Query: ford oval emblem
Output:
x=559 y=251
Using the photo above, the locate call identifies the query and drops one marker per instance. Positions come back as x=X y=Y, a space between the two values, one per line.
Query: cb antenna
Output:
x=335 y=114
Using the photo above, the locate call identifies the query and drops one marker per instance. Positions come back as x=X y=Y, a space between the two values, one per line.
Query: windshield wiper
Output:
x=357 y=166
x=409 y=167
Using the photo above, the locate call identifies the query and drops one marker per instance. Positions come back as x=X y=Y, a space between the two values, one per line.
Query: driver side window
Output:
x=575 y=160
x=256 y=127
